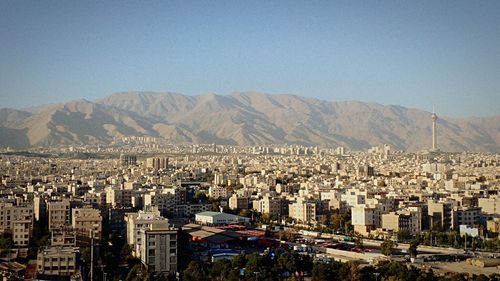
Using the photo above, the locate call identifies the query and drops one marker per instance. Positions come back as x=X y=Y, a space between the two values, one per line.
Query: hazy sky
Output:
x=411 y=53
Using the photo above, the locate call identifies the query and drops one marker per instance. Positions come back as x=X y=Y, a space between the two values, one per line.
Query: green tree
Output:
x=358 y=241
x=413 y=248
x=387 y=247
x=195 y=272
x=6 y=242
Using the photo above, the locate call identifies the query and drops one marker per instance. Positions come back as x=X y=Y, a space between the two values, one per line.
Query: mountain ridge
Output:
x=242 y=118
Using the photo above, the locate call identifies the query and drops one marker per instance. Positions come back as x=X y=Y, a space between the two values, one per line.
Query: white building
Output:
x=217 y=218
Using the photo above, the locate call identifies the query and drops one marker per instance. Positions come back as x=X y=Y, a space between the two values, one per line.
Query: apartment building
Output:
x=274 y=206
x=57 y=260
x=118 y=198
x=365 y=219
x=303 y=210
x=238 y=202
x=490 y=206
x=142 y=220
x=158 y=249
x=58 y=214
x=18 y=221
x=86 y=220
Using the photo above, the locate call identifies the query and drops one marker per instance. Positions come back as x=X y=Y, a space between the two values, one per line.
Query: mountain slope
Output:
x=245 y=119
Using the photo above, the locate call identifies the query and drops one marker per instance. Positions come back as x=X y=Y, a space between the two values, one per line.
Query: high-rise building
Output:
x=128 y=160
x=157 y=163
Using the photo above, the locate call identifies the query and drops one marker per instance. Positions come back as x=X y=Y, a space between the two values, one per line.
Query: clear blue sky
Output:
x=410 y=53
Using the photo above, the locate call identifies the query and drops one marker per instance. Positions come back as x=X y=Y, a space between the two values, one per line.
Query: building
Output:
x=493 y=227
x=18 y=221
x=216 y=191
x=128 y=160
x=118 y=198
x=157 y=163
x=63 y=237
x=219 y=218
x=59 y=214
x=490 y=206
x=57 y=261
x=274 y=206
x=469 y=216
x=87 y=219
x=158 y=249
x=365 y=219
x=354 y=197
x=401 y=222
x=303 y=210
x=139 y=221
x=238 y=202
x=440 y=215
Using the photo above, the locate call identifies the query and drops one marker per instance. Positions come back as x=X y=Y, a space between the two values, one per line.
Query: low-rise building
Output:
x=57 y=260
x=218 y=218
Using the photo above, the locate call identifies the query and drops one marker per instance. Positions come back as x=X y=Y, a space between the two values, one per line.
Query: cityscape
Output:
x=336 y=168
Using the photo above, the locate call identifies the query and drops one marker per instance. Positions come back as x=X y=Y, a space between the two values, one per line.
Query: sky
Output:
x=418 y=54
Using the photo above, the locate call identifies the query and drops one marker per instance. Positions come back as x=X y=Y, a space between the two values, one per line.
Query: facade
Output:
x=18 y=221
x=139 y=221
x=365 y=219
x=237 y=202
x=469 y=216
x=216 y=191
x=128 y=160
x=118 y=198
x=274 y=206
x=85 y=220
x=490 y=206
x=157 y=163
x=57 y=261
x=158 y=249
x=59 y=214
x=440 y=215
x=303 y=210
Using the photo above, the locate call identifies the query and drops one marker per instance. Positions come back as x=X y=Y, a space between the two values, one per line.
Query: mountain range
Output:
x=246 y=118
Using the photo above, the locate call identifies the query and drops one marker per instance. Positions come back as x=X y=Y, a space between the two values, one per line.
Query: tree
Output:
x=200 y=197
x=358 y=241
x=387 y=247
x=195 y=272
x=413 y=248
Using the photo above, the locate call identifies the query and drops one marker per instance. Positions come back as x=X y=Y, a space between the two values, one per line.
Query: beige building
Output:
x=216 y=191
x=157 y=163
x=365 y=219
x=238 y=202
x=57 y=260
x=58 y=214
x=490 y=206
x=142 y=220
x=18 y=221
x=440 y=215
x=118 y=198
x=85 y=220
x=407 y=220
x=303 y=210
x=270 y=205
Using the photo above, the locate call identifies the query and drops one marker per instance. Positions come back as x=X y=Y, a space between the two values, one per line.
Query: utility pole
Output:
x=91 y=255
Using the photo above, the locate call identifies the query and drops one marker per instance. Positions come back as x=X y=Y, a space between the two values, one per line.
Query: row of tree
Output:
x=294 y=266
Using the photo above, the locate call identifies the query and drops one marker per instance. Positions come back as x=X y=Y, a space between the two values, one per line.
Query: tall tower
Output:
x=434 y=136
